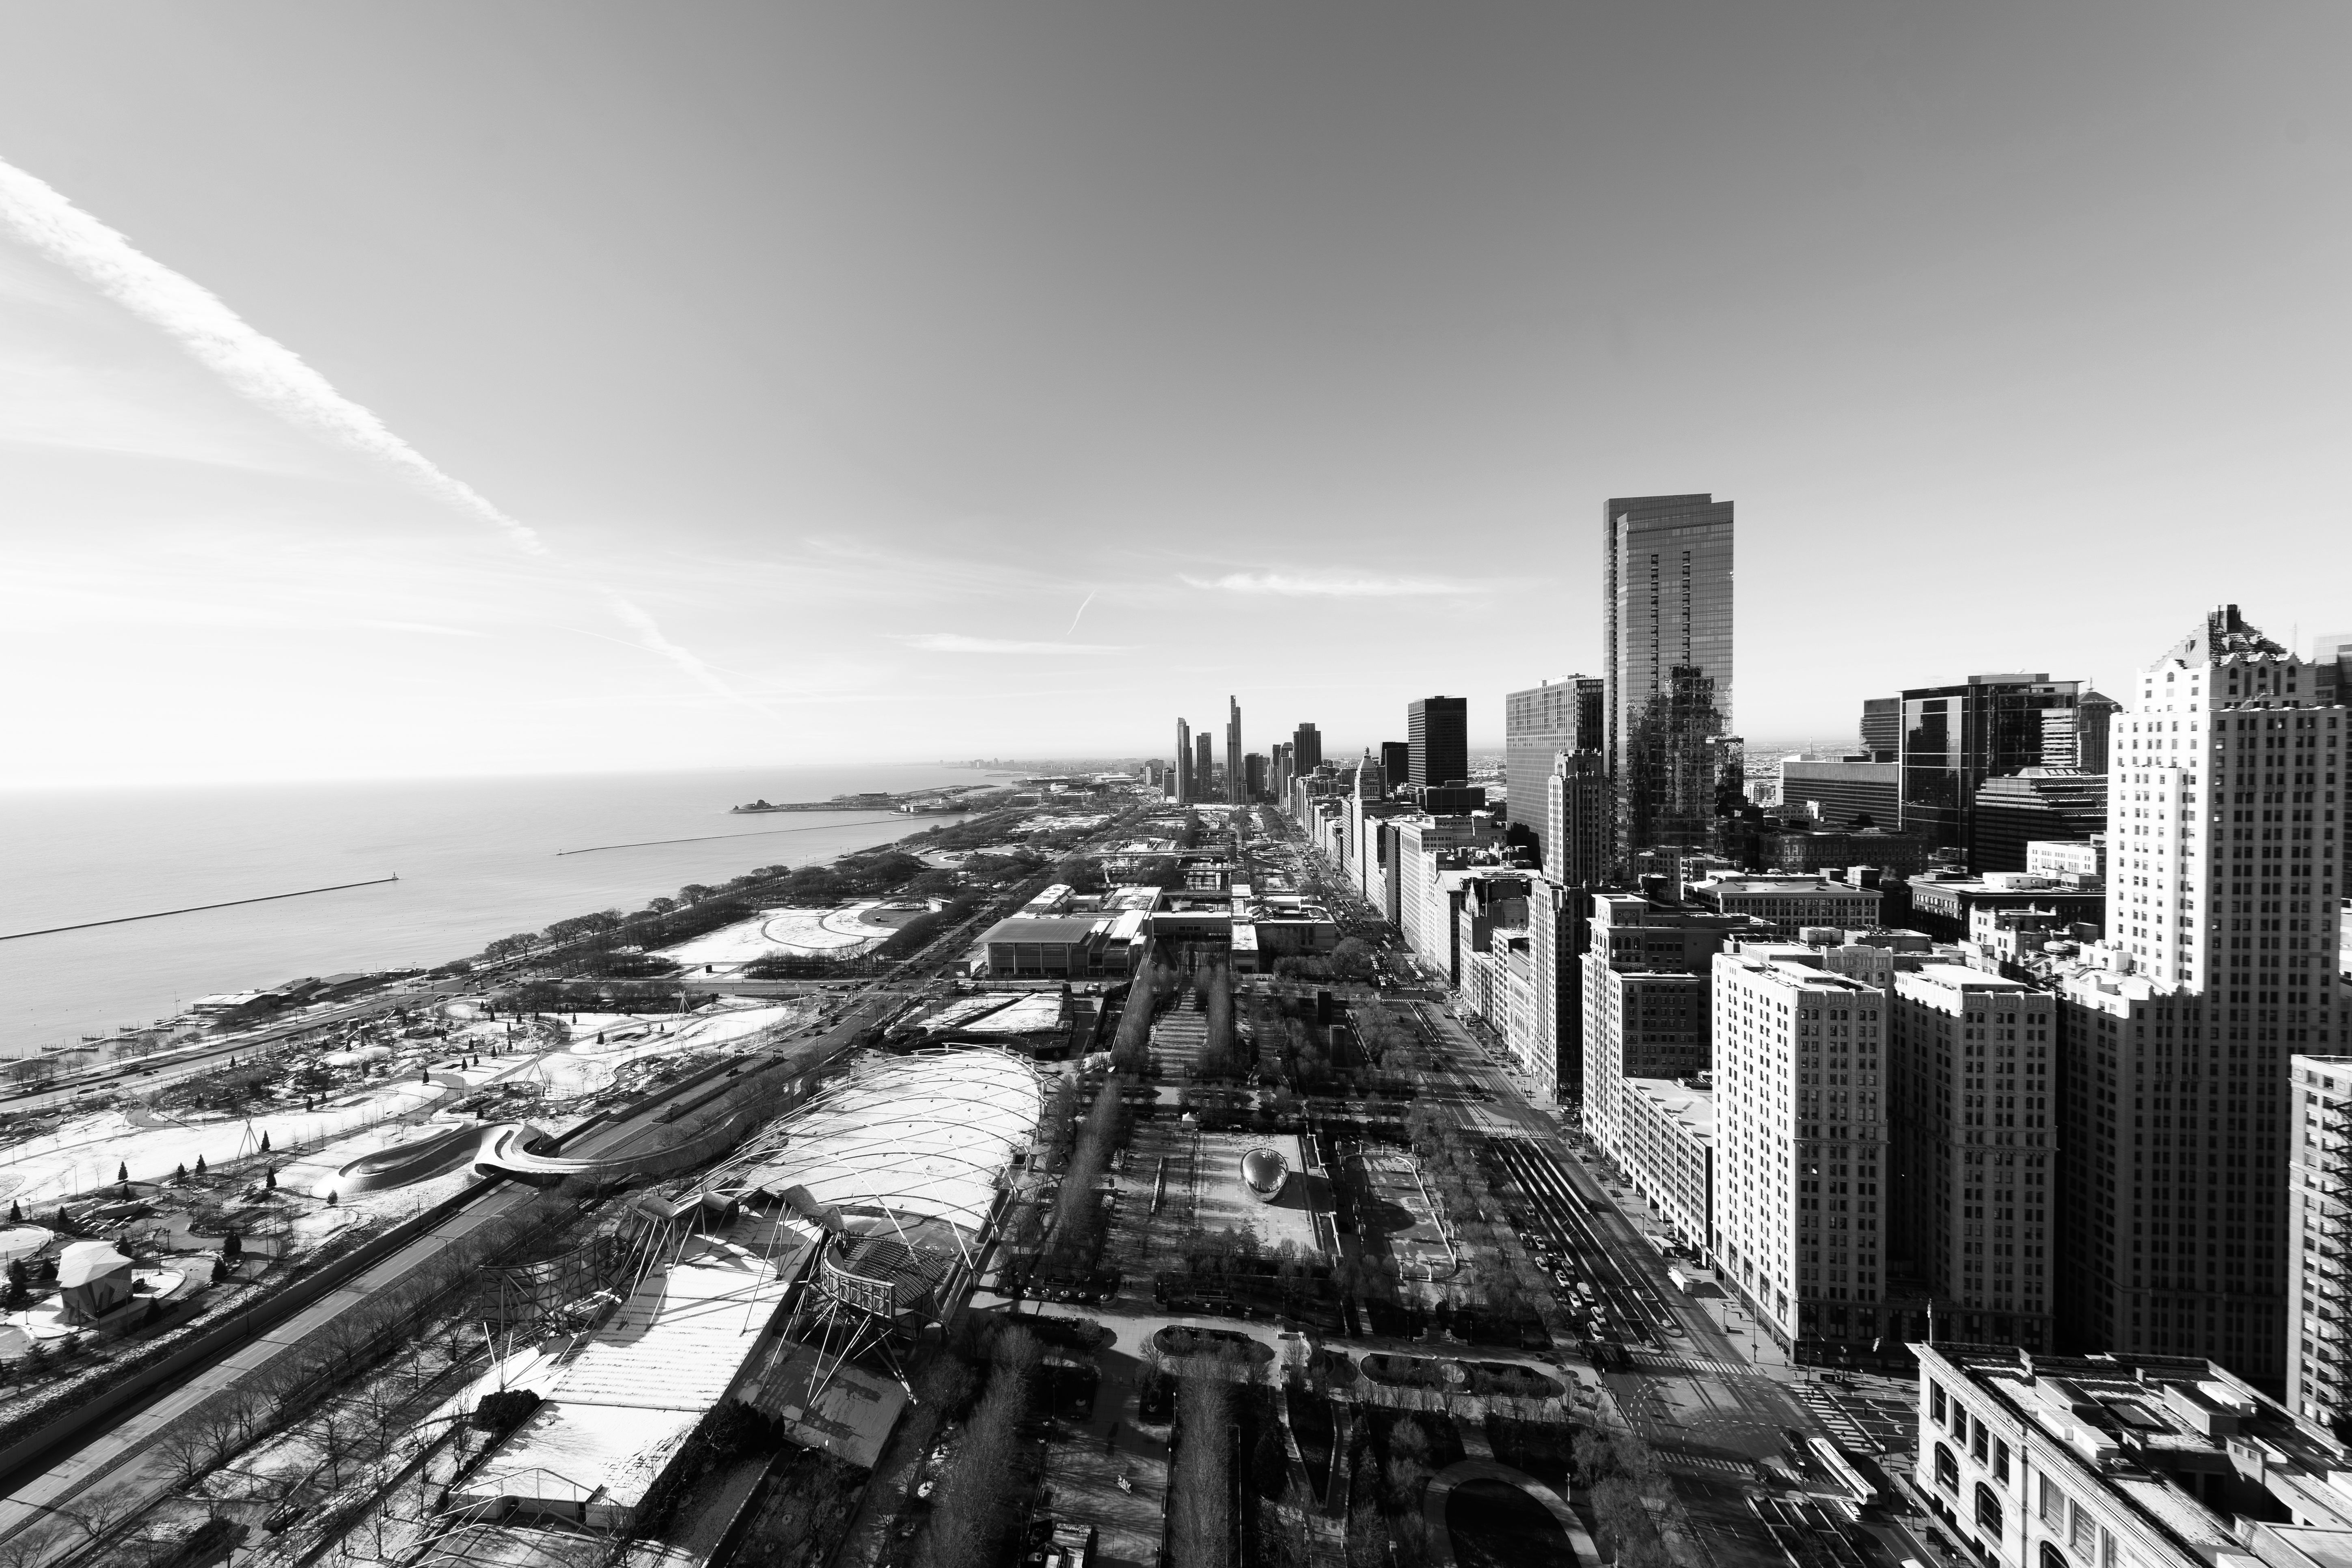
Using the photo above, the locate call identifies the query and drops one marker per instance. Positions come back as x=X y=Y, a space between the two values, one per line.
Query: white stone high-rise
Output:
x=1800 y=1144
x=2225 y=854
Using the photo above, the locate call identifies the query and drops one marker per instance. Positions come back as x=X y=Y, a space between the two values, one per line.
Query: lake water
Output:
x=477 y=858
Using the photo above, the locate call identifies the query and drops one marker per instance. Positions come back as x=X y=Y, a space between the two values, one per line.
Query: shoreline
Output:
x=97 y=1040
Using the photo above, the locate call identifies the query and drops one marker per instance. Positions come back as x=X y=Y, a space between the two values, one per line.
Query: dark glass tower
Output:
x=1882 y=727
x=1306 y=749
x=1666 y=612
x=1956 y=737
x=1437 y=730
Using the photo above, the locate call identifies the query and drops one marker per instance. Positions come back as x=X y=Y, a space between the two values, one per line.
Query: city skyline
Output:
x=892 y=525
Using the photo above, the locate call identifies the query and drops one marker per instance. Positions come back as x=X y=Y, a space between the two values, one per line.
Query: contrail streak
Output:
x=1082 y=609
x=269 y=375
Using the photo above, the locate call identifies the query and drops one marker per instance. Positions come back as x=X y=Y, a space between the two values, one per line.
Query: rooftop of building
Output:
x=1954 y=976
x=1791 y=964
x=1694 y=1107
x=2022 y=882
x=1048 y=928
x=2147 y=1427
x=1753 y=886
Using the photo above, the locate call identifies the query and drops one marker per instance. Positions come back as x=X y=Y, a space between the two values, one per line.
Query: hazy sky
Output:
x=838 y=354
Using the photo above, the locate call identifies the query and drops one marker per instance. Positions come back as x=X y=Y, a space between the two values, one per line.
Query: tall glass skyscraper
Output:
x=1236 y=778
x=1666 y=602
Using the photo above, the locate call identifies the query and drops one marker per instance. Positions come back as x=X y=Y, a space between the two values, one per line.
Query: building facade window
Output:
x=1988 y=1510
x=1948 y=1470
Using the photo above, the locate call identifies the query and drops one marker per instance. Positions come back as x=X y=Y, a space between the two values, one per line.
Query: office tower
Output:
x=1396 y=763
x=1280 y=772
x=1578 y=819
x=1236 y=778
x=1645 y=991
x=2319 y=1242
x=1882 y=727
x=2222 y=922
x=2016 y=809
x=1371 y=779
x=1800 y=1137
x=1305 y=748
x=1204 y=768
x=1666 y=614
x=1560 y=930
x=1437 y=731
x=1844 y=794
x=1956 y=737
x=1186 y=784
x=2331 y=653
x=1971 y=1207
x=1253 y=776
x=1538 y=724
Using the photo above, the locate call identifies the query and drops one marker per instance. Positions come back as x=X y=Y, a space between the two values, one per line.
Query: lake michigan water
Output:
x=478 y=859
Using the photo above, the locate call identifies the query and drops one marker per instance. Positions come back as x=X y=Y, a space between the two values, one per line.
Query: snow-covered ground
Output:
x=827 y=934
x=91 y=1151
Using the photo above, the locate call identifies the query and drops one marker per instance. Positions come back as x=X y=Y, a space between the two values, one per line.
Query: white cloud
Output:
x=1293 y=585
x=955 y=642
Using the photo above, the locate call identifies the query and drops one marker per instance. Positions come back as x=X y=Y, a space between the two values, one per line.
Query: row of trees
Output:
x=1081 y=1214
x=1454 y=1166
x=972 y=1518
x=1131 y=1051
x=1625 y=1482
x=1201 y=1522
x=1220 y=1053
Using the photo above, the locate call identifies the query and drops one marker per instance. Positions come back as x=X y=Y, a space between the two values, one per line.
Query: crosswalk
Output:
x=1652 y=1360
x=1841 y=1425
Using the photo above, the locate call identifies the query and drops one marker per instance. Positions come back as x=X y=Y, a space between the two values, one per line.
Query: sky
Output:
x=876 y=383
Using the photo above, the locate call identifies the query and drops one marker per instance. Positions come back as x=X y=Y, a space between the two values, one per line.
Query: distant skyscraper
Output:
x=1204 y=768
x=1666 y=614
x=1956 y=737
x=1236 y=780
x=1253 y=776
x=1396 y=763
x=1538 y=724
x=1184 y=785
x=1437 y=730
x=1882 y=727
x=1306 y=749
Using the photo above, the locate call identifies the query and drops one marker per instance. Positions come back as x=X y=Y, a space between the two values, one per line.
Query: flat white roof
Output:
x=628 y=1399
